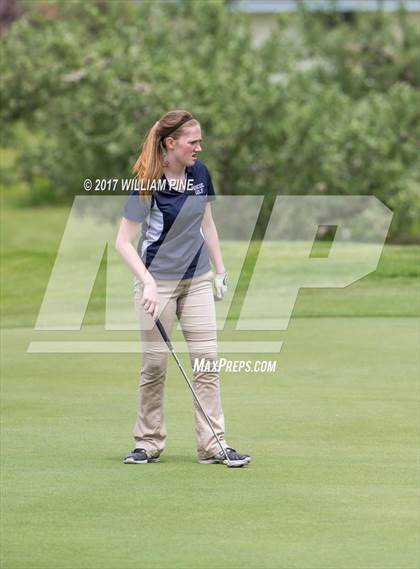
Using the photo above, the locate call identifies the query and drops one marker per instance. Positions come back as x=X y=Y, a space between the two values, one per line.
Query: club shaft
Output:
x=171 y=349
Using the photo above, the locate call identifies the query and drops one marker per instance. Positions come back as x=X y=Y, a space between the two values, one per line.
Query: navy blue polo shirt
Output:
x=172 y=245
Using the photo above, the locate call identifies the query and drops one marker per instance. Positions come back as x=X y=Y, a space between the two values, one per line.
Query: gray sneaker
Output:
x=235 y=458
x=139 y=456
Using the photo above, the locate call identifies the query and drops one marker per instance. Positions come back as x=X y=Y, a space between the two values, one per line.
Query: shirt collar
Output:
x=188 y=171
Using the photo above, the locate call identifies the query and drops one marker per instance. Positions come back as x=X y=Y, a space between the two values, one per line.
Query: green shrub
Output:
x=324 y=106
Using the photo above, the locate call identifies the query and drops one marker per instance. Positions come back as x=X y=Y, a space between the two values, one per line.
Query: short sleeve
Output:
x=211 y=194
x=136 y=208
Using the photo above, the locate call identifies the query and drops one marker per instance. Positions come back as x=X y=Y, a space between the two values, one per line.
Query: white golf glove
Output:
x=220 y=285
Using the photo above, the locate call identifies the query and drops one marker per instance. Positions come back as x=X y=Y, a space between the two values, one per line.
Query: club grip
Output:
x=163 y=333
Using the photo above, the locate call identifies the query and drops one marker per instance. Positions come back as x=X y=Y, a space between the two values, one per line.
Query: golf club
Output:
x=171 y=349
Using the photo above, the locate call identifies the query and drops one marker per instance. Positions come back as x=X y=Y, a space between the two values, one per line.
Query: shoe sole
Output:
x=133 y=461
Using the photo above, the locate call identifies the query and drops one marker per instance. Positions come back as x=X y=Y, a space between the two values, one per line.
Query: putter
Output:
x=171 y=349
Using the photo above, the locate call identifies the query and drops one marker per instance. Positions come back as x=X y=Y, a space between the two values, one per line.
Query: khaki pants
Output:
x=192 y=301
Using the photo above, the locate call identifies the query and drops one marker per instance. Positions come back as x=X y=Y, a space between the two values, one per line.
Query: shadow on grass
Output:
x=164 y=459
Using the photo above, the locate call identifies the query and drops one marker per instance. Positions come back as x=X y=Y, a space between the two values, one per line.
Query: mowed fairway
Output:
x=332 y=433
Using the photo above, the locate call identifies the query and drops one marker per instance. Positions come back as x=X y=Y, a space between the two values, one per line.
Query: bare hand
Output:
x=150 y=300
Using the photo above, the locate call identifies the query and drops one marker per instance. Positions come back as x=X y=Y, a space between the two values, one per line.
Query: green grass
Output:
x=333 y=435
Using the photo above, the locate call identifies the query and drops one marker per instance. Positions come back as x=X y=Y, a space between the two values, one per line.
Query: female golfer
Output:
x=173 y=277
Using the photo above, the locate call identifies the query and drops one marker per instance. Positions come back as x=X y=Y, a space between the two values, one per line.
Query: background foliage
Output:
x=326 y=105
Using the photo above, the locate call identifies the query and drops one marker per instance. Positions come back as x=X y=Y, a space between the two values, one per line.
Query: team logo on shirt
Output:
x=198 y=188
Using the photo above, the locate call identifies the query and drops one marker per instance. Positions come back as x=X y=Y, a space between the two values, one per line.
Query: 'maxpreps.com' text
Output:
x=234 y=366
